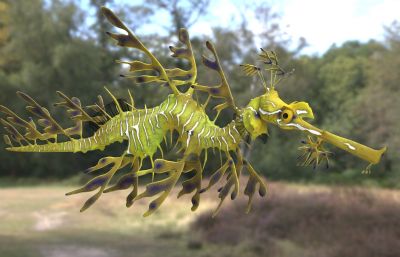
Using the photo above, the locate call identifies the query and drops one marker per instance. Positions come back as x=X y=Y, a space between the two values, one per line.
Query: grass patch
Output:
x=300 y=220
x=295 y=220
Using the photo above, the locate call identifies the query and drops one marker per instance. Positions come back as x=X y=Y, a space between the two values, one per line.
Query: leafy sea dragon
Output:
x=145 y=129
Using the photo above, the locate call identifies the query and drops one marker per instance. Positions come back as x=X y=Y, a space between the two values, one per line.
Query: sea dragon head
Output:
x=269 y=108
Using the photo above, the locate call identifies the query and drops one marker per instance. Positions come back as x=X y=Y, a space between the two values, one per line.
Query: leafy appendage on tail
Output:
x=51 y=128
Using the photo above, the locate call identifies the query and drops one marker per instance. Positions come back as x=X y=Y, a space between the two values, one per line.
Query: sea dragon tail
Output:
x=24 y=136
x=73 y=146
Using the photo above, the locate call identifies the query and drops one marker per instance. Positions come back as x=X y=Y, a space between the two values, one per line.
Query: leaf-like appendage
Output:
x=269 y=57
x=222 y=90
x=157 y=187
x=74 y=108
x=179 y=52
x=137 y=65
x=249 y=191
x=132 y=195
x=112 y=18
x=51 y=127
x=180 y=76
x=7 y=140
x=232 y=181
x=189 y=186
x=100 y=182
x=123 y=182
x=92 y=185
x=130 y=40
x=103 y=162
x=126 y=40
x=163 y=186
x=14 y=133
x=192 y=184
x=250 y=70
x=31 y=132
x=216 y=176
x=254 y=180
x=89 y=202
x=223 y=193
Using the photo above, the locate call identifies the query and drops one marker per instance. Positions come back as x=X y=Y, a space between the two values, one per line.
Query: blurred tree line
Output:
x=353 y=89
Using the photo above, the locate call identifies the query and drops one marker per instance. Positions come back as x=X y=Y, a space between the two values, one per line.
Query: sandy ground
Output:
x=42 y=221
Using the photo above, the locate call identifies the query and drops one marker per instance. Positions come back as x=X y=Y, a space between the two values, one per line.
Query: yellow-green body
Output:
x=145 y=129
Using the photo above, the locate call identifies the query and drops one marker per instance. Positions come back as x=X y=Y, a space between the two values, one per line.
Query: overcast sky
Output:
x=321 y=22
x=325 y=22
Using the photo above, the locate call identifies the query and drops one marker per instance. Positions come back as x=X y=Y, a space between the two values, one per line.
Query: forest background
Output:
x=353 y=88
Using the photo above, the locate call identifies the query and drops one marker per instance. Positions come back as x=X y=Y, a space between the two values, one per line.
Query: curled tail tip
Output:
x=382 y=152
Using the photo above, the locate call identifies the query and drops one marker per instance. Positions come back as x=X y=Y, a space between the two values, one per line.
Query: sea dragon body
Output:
x=145 y=129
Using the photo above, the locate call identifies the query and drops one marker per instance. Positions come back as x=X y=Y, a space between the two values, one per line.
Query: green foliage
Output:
x=353 y=89
x=43 y=56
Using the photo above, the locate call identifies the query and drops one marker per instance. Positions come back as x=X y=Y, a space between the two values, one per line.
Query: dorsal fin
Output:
x=100 y=117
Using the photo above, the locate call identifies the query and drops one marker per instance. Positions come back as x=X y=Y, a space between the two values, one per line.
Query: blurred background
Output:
x=346 y=56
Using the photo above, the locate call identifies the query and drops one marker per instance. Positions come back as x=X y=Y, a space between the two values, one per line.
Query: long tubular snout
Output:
x=361 y=151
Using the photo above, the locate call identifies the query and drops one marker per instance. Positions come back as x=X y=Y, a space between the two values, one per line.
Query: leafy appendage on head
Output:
x=276 y=72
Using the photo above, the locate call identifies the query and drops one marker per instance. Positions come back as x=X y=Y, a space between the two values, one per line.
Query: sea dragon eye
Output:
x=287 y=115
